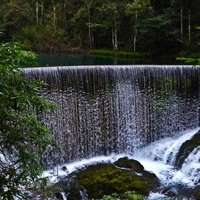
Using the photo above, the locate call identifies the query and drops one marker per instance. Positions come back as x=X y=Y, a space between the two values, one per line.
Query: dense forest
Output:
x=149 y=26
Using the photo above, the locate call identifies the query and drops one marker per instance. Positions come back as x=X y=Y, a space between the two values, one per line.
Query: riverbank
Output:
x=118 y=54
x=189 y=58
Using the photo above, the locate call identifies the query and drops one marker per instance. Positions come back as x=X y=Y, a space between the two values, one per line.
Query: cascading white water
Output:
x=116 y=109
x=160 y=156
x=191 y=166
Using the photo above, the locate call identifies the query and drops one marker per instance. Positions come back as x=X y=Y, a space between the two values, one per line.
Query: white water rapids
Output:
x=159 y=157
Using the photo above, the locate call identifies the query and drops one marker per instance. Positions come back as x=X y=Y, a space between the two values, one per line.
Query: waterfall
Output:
x=116 y=109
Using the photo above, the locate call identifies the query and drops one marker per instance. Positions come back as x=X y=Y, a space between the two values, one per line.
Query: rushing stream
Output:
x=104 y=112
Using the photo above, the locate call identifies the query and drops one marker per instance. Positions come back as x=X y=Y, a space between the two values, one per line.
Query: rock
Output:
x=129 y=164
x=93 y=182
x=106 y=179
x=151 y=178
x=186 y=148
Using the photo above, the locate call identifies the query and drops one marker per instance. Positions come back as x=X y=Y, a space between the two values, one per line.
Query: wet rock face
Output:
x=186 y=148
x=98 y=180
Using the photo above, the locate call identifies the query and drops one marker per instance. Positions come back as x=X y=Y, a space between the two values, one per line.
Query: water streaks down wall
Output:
x=116 y=109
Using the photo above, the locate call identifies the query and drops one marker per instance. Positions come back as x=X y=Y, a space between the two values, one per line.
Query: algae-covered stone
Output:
x=186 y=148
x=106 y=179
x=130 y=164
x=96 y=181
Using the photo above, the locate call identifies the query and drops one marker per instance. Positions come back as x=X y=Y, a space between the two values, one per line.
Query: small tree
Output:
x=134 y=9
x=111 y=13
x=23 y=137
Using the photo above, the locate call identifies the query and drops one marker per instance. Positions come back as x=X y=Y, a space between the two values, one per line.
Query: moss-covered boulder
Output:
x=129 y=164
x=186 y=148
x=96 y=181
x=106 y=179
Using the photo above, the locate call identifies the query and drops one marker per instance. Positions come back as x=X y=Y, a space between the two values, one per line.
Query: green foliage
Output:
x=188 y=60
x=139 y=25
x=114 y=53
x=23 y=137
x=139 y=5
x=41 y=38
x=15 y=56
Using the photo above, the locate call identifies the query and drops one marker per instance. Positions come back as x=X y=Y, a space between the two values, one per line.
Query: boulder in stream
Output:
x=105 y=179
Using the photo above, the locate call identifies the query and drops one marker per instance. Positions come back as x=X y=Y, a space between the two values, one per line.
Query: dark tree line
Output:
x=155 y=26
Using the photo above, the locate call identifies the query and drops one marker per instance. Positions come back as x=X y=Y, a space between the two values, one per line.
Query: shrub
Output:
x=23 y=137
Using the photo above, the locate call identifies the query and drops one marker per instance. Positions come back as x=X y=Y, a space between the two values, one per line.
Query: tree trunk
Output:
x=89 y=29
x=54 y=17
x=42 y=12
x=135 y=32
x=37 y=12
x=115 y=36
x=12 y=3
x=189 y=26
x=88 y=4
x=64 y=15
x=181 y=23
